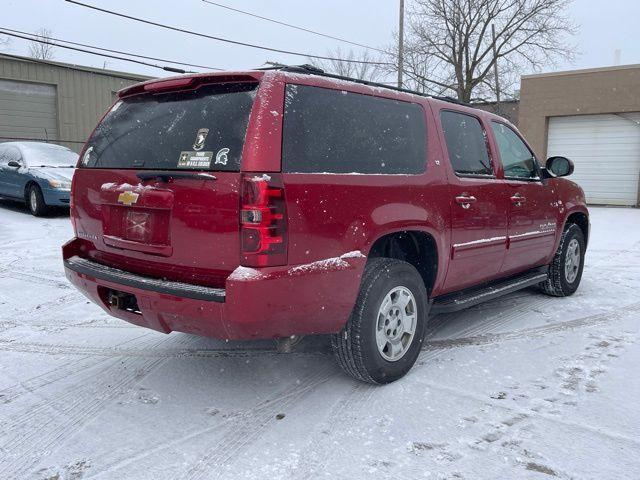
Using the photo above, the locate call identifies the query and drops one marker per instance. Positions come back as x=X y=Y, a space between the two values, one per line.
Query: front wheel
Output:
x=383 y=336
x=35 y=201
x=565 y=271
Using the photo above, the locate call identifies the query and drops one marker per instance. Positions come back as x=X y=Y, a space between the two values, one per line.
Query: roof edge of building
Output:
x=583 y=71
x=81 y=68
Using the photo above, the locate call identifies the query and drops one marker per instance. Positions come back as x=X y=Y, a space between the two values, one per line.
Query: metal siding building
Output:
x=55 y=102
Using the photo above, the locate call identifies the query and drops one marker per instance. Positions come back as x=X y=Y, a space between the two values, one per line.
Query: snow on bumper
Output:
x=266 y=303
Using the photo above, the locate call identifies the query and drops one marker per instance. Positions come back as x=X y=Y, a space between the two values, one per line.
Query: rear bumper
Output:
x=126 y=279
x=274 y=302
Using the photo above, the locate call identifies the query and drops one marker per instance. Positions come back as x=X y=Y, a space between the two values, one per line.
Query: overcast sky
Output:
x=604 y=27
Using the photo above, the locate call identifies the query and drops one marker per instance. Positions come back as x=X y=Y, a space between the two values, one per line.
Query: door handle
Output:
x=518 y=200
x=465 y=200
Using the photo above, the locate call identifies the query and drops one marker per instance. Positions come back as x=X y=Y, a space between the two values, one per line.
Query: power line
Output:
x=69 y=66
x=293 y=26
x=220 y=39
x=48 y=42
x=114 y=51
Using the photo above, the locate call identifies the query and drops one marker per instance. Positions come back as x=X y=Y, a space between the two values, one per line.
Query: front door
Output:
x=533 y=210
x=479 y=207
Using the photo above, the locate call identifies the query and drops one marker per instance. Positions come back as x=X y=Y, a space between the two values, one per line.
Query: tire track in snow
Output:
x=322 y=445
x=30 y=436
x=62 y=372
x=490 y=338
x=497 y=320
x=45 y=309
x=145 y=352
x=239 y=431
x=473 y=332
x=249 y=427
x=33 y=278
x=343 y=414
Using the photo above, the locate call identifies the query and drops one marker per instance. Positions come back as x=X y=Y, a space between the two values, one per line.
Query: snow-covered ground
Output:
x=527 y=386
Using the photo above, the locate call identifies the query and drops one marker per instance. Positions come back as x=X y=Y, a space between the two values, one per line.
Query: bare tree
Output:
x=449 y=48
x=42 y=49
x=368 y=68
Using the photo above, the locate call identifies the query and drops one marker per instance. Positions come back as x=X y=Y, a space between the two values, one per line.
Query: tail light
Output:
x=263 y=221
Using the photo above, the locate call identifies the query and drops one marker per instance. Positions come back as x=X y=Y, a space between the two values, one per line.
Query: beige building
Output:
x=55 y=102
x=592 y=117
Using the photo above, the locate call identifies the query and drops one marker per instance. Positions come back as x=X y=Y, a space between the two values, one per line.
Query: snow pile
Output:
x=354 y=254
x=327 y=264
x=245 y=273
x=261 y=178
x=335 y=263
x=121 y=187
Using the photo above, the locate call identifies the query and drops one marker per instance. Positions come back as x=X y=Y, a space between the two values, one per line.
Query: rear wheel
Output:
x=565 y=271
x=383 y=336
x=35 y=201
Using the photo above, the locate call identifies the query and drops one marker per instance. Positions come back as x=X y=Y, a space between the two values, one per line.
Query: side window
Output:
x=8 y=154
x=337 y=131
x=517 y=160
x=466 y=144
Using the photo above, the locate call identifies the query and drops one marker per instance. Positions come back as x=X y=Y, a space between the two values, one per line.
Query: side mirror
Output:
x=14 y=164
x=560 y=166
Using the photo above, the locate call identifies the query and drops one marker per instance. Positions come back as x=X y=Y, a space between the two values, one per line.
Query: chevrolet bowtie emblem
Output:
x=128 y=198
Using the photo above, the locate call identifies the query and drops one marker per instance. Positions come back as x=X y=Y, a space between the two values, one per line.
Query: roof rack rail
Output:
x=312 y=70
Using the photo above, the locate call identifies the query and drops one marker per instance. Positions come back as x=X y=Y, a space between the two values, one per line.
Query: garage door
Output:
x=606 y=153
x=27 y=111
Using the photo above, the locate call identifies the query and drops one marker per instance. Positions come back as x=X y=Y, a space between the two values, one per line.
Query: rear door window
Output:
x=203 y=129
x=336 y=131
x=466 y=144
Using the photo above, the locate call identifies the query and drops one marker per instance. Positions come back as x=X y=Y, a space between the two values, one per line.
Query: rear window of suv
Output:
x=202 y=129
x=335 y=131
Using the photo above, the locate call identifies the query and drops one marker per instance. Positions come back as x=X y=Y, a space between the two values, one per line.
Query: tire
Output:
x=564 y=279
x=35 y=201
x=356 y=345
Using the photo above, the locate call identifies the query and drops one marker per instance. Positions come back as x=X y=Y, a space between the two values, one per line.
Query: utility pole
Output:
x=401 y=44
x=495 y=67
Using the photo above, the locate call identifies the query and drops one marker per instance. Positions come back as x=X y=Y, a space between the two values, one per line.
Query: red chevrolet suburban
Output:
x=286 y=202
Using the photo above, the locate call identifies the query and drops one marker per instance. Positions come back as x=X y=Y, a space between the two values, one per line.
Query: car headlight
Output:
x=60 y=185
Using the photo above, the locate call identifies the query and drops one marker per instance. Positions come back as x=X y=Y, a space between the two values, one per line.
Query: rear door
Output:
x=533 y=208
x=478 y=206
x=156 y=191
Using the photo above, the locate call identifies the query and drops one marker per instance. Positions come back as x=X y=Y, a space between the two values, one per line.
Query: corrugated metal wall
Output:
x=82 y=95
x=28 y=110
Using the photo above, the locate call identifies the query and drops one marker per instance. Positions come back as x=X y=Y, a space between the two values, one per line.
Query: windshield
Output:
x=203 y=129
x=45 y=155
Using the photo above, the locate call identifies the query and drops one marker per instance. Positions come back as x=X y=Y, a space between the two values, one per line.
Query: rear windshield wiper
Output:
x=168 y=176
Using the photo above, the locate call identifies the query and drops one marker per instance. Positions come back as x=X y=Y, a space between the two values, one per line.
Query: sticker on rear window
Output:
x=201 y=136
x=195 y=159
x=222 y=156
